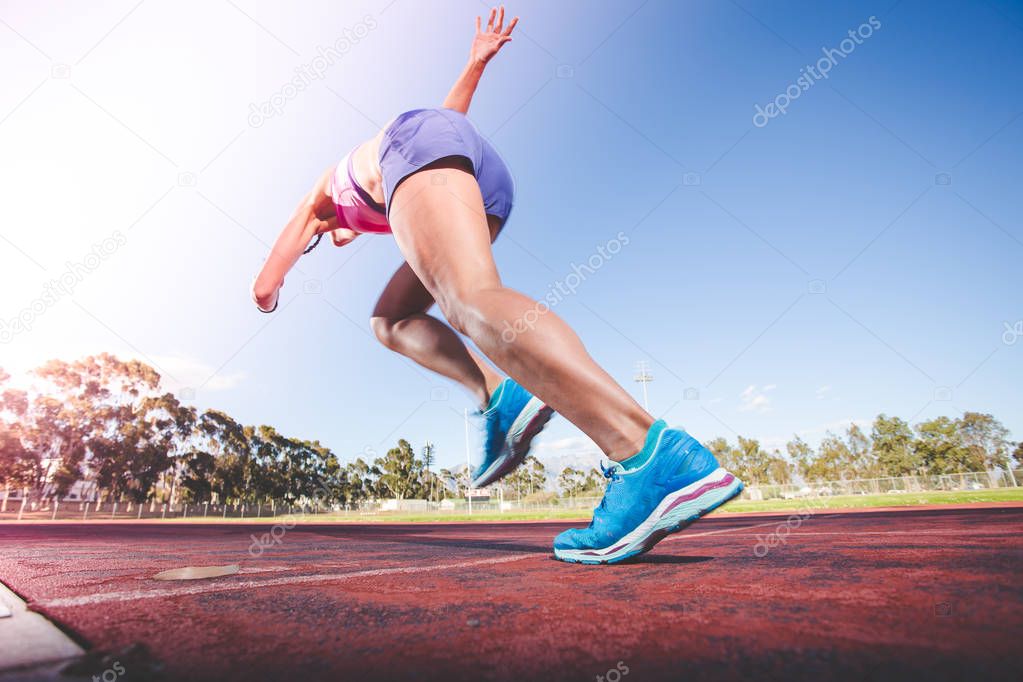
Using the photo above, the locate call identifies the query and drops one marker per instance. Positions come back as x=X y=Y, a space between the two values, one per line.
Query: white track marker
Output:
x=204 y=588
x=196 y=572
x=28 y=638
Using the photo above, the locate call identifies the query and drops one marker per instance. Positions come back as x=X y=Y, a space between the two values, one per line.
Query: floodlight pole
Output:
x=428 y=456
x=468 y=462
x=643 y=376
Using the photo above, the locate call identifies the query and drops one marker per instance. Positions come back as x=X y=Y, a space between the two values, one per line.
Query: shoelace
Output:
x=611 y=473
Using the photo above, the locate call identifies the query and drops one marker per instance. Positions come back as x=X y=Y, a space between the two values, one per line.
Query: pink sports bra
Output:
x=355 y=209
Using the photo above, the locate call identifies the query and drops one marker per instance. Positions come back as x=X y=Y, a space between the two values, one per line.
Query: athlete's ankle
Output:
x=491 y=384
x=630 y=439
x=484 y=391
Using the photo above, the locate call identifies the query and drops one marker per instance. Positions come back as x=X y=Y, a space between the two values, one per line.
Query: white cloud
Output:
x=755 y=399
x=179 y=371
x=578 y=452
x=814 y=434
x=568 y=444
x=823 y=392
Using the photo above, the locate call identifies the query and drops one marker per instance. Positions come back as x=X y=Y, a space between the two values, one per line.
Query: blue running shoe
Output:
x=513 y=418
x=672 y=482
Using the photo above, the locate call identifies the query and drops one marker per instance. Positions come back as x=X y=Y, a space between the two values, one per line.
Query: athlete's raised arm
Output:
x=485 y=45
x=315 y=214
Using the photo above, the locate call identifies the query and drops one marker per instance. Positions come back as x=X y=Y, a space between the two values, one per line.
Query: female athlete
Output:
x=434 y=182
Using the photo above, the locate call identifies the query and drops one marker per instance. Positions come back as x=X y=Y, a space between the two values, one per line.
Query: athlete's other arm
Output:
x=484 y=46
x=315 y=214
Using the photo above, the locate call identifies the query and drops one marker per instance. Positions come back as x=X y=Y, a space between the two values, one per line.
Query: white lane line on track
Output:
x=793 y=531
x=283 y=569
x=687 y=536
x=99 y=598
x=938 y=533
x=134 y=595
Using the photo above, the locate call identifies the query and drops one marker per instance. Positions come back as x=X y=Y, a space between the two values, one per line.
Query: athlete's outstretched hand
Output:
x=487 y=42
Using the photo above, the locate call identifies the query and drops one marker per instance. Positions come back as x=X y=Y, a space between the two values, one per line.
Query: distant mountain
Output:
x=557 y=455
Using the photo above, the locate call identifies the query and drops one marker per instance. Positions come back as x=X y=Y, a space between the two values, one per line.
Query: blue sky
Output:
x=857 y=254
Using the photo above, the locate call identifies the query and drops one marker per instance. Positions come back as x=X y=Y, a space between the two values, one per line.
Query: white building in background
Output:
x=404 y=505
x=80 y=490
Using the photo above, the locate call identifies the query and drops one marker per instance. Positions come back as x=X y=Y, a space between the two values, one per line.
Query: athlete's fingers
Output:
x=511 y=26
x=490 y=21
x=477 y=25
x=500 y=21
x=504 y=39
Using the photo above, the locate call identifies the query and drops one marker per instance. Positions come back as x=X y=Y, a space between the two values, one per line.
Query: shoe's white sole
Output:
x=676 y=511
x=530 y=421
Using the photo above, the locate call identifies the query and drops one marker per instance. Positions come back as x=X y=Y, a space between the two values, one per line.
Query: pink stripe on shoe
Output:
x=727 y=480
x=607 y=551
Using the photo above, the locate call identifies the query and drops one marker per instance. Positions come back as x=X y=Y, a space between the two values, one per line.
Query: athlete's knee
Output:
x=466 y=309
x=386 y=330
x=463 y=322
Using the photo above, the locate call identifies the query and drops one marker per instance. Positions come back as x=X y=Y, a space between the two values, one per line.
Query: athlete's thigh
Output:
x=404 y=295
x=439 y=222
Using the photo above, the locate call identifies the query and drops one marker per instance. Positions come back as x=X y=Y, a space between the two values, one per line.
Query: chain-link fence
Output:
x=23 y=506
x=973 y=480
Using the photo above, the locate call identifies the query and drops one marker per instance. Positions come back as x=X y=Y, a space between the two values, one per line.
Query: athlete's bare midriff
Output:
x=366 y=167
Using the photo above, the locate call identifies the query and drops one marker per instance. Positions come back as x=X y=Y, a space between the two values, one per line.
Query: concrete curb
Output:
x=29 y=639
